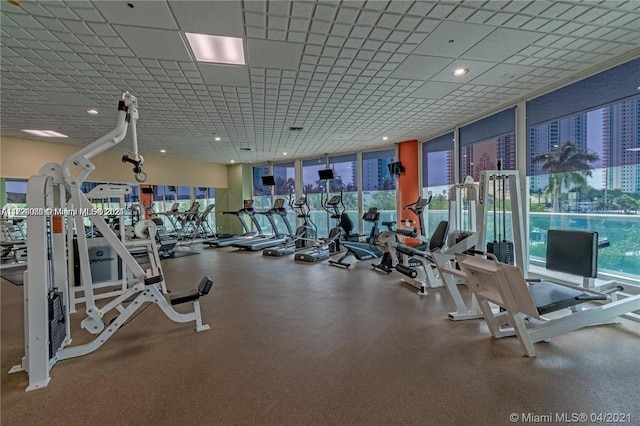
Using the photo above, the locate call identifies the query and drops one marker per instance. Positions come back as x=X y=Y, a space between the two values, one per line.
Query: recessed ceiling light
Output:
x=92 y=111
x=46 y=133
x=218 y=49
x=284 y=153
x=217 y=138
x=163 y=151
x=385 y=138
x=460 y=71
x=232 y=161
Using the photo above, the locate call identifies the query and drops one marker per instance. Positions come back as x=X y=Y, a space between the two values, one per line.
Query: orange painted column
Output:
x=146 y=199
x=408 y=184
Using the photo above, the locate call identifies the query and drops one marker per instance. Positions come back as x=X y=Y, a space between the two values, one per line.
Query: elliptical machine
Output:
x=305 y=235
x=331 y=245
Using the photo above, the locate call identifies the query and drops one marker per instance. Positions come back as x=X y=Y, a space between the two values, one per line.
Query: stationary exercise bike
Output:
x=390 y=237
x=363 y=250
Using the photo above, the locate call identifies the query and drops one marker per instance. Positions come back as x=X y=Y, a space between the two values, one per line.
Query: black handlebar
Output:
x=136 y=164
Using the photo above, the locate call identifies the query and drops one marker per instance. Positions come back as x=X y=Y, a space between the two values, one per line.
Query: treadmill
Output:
x=230 y=239
x=276 y=240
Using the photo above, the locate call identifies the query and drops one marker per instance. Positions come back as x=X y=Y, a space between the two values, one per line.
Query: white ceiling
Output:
x=348 y=72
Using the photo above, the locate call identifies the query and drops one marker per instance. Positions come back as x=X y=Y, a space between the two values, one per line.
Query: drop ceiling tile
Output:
x=144 y=14
x=502 y=74
x=464 y=36
x=274 y=54
x=501 y=44
x=67 y=98
x=434 y=90
x=207 y=17
x=418 y=67
x=154 y=43
x=221 y=75
x=476 y=68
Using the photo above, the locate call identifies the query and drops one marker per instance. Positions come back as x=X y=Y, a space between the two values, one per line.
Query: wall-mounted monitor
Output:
x=147 y=190
x=325 y=174
x=268 y=181
x=396 y=168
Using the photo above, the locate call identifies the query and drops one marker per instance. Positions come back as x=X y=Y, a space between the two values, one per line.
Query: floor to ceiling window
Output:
x=345 y=172
x=16 y=195
x=437 y=177
x=261 y=196
x=485 y=145
x=316 y=191
x=584 y=166
x=206 y=197
x=284 y=175
x=378 y=185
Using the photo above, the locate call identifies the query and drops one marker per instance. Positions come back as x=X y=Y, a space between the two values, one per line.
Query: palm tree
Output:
x=569 y=166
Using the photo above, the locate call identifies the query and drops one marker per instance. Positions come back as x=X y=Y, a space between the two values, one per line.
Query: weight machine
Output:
x=46 y=282
x=460 y=241
x=473 y=241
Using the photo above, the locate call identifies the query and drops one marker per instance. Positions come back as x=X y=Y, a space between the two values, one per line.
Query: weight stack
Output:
x=57 y=327
x=502 y=250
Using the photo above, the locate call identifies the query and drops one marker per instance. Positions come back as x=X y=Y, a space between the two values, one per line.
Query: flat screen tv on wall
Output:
x=268 y=181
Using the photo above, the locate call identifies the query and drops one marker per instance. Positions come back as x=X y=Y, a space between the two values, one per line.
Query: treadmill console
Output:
x=300 y=201
x=278 y=203
x=248 y=204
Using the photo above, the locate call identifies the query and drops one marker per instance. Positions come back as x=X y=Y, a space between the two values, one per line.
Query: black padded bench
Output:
x=192 y=294
x=550 y=297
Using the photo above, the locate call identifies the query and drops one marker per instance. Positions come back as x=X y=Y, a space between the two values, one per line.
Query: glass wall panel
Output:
x=315 y=190
x=345 y=172
x=183 y=194
x=206 y=197
x=378 y=185
x=163 y=200
x=437 y=176
x=584 y=174
x=16 y=195
x=261 y=196
x=284 y=175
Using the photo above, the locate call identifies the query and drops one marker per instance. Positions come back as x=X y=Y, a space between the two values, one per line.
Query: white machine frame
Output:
x=47 y=258
x=450 y=276
x=505 y=286
x=512 y=178
x=476 y=241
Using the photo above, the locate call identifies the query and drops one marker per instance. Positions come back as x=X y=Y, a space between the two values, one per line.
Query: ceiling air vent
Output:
x=245 y=149
x=295 y=129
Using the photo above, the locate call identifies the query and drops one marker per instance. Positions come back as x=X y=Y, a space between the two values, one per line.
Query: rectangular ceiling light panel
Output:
x=218 y=49
x=46 y=133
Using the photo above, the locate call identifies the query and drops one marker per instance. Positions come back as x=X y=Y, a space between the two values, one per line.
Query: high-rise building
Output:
x=374 y=172
x=621 y=146
x=546 y=138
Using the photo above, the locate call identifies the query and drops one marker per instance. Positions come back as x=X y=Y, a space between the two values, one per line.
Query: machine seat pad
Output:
x=184 y=296
x=390 y=223
x=549 y=297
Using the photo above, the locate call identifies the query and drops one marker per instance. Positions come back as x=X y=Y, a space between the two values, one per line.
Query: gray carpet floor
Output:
x=301 y=344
